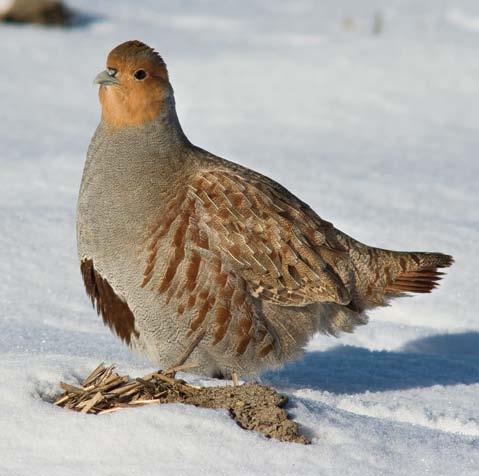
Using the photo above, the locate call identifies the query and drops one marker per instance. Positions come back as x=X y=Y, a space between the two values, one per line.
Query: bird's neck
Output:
x=162 y=133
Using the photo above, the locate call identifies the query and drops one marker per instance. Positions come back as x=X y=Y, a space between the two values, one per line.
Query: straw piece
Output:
x=94 y=375
x=92 y=402
x=70 y=388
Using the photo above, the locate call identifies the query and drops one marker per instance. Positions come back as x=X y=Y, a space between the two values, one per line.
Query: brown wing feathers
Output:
x=272 y=245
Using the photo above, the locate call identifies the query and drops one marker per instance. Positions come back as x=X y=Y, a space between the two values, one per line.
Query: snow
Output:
x=378 y=133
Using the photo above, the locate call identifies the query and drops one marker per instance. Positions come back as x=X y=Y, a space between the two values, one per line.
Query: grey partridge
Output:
x=190 y=257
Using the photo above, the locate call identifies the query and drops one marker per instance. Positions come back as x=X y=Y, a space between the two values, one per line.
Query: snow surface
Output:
x=379 y=133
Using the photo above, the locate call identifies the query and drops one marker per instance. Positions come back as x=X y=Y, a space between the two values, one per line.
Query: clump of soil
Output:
x=45 y=12
x=253 y=406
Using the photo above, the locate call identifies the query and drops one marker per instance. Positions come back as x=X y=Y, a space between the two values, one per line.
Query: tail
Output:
x=416 y=272
x=381 y=275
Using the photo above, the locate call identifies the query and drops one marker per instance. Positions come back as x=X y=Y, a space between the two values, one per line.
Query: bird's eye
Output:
x=111 y=72
x=139 y=74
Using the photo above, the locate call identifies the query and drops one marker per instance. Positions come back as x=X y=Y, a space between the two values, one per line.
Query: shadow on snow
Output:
x=447 y=359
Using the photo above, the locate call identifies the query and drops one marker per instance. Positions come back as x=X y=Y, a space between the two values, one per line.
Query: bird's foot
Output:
x=171 y=372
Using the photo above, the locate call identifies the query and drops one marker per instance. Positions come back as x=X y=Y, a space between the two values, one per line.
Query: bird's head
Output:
x=134 y=87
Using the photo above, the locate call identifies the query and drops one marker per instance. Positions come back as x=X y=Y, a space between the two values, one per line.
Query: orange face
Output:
x=134 y=86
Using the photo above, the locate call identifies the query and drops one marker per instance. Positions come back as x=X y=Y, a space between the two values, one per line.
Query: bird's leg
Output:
x=234 y=377
x=180 y=363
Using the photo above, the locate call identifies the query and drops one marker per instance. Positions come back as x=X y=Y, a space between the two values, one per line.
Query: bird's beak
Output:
x=105 y=79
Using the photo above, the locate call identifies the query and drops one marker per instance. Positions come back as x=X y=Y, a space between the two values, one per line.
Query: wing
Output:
x=235 y=234
x=270 y=238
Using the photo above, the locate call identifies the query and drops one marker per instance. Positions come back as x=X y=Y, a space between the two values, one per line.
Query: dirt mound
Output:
x=46 y=12
x=253 y=406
